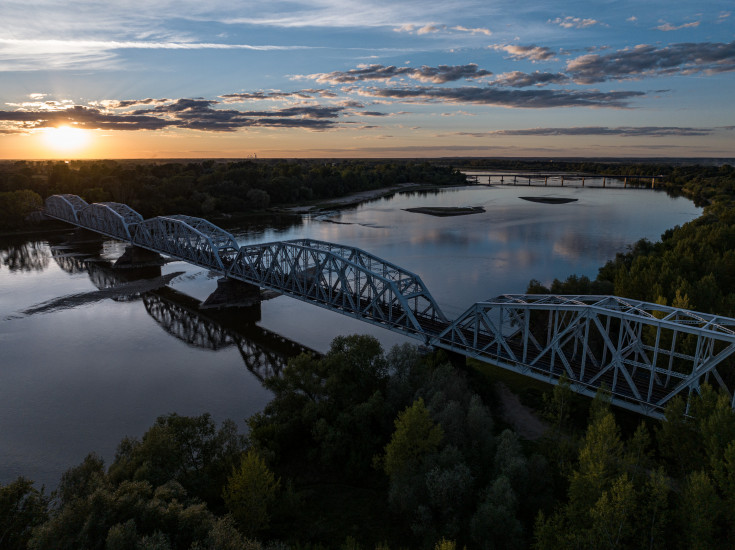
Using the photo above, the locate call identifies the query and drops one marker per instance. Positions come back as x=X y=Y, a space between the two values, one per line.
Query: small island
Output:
x=549 y=200
x=447 y=210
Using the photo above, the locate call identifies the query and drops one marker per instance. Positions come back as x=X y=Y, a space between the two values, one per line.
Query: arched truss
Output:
x=110 y=218
x=345 y=279
x=644 y=353
x=65 y=207
x=191 y=239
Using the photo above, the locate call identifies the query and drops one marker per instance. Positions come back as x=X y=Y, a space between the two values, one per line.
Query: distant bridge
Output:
x=557 y=179
x=645 y=354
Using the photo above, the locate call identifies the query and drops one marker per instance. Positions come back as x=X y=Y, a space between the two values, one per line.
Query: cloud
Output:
x=518 y=79
x=127 y=103
x=83 y=117
x=437 y=75
x=664 y=26
x=275 y=95
x=34 y=54
x=574 y=22
x=478 y=30
x=632 y=19
x=428 y=29
x=647 y=60
x=533 y=52
x=724 y=15
x=196 y=114
x=529 y=99
x=628 y=131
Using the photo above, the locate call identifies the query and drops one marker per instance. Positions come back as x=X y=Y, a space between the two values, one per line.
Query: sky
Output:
x=366 y=78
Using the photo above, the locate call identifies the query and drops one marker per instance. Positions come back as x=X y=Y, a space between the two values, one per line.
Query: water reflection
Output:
x=24 y=255
x=181 y=316
x=264 y=353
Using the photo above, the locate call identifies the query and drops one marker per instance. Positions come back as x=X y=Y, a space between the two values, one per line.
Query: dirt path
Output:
x=523 y=420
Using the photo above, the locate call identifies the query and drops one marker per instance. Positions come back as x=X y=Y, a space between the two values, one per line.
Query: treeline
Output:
x=692 y=266
x=363 y=449
x=208 y=188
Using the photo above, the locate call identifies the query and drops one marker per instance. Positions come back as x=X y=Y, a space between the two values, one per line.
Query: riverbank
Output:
x=353 y=199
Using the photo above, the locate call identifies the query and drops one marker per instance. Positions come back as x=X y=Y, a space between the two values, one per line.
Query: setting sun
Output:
x=66 y=139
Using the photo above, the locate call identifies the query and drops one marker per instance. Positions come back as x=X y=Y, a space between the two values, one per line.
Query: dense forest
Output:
x=364 y=448
x=209 y=189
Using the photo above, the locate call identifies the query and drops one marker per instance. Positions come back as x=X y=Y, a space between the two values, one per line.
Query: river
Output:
x=81 y=368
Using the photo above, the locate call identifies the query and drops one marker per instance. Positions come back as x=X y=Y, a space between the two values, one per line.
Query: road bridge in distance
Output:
x=645 y=354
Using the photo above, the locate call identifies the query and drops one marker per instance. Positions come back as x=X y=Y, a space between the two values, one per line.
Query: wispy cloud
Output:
x=478 y=30
x=437 y=75
x=527 y=99
x=569 y=22
x=276 y=95
x=648 y=60
x=628 y=131
x=532 y=53
x=665 y=26
x=434 y=28
x=35 y=54
x=518 y=79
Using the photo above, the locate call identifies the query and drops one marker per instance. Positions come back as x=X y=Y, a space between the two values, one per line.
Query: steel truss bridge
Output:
x=645 y=354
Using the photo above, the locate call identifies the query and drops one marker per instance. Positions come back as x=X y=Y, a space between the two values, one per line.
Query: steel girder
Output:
x=644 y=353
x=65 y=207
x=113 y=219
x=191 y=239
x=346 y=280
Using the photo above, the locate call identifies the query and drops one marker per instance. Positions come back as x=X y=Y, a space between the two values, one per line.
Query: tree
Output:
x=699 y=512
x=15 y=206
x=190 y=450
x=250 y=491
x=415 y=436
x=22 y=508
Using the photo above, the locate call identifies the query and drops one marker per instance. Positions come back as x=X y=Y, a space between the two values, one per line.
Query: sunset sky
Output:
x=366 y=78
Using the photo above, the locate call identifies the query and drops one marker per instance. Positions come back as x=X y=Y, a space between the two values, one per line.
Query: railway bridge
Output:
x=645 y=354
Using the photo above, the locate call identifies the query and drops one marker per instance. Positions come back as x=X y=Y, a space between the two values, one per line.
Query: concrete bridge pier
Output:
x=233 y=293
x=135 y=257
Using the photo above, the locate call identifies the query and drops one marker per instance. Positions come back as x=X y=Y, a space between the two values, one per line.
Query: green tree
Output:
x=250 y=492
x=190 y=450
x=699 y=512
x=415 y=436
x=22 y=508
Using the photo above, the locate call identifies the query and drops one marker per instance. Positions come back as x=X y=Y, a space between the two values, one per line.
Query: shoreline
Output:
x=353 y=199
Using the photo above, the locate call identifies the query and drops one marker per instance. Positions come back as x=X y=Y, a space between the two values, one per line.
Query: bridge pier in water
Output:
x=233 y=293
x=136 y=257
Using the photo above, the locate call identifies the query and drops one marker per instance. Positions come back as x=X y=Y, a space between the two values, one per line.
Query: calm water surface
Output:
x=79 y=369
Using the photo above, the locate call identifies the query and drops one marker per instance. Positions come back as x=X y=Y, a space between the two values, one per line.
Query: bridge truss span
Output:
x=346 y=279
x=65 y=207
x=191 y=239
x=644 y=353
x=113 y=219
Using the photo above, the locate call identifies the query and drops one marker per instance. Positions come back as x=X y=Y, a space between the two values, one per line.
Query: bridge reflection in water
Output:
x=264 y=353
x=645 y=354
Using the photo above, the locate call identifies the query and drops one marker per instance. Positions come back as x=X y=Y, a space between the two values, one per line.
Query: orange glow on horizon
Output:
x=66 y=139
